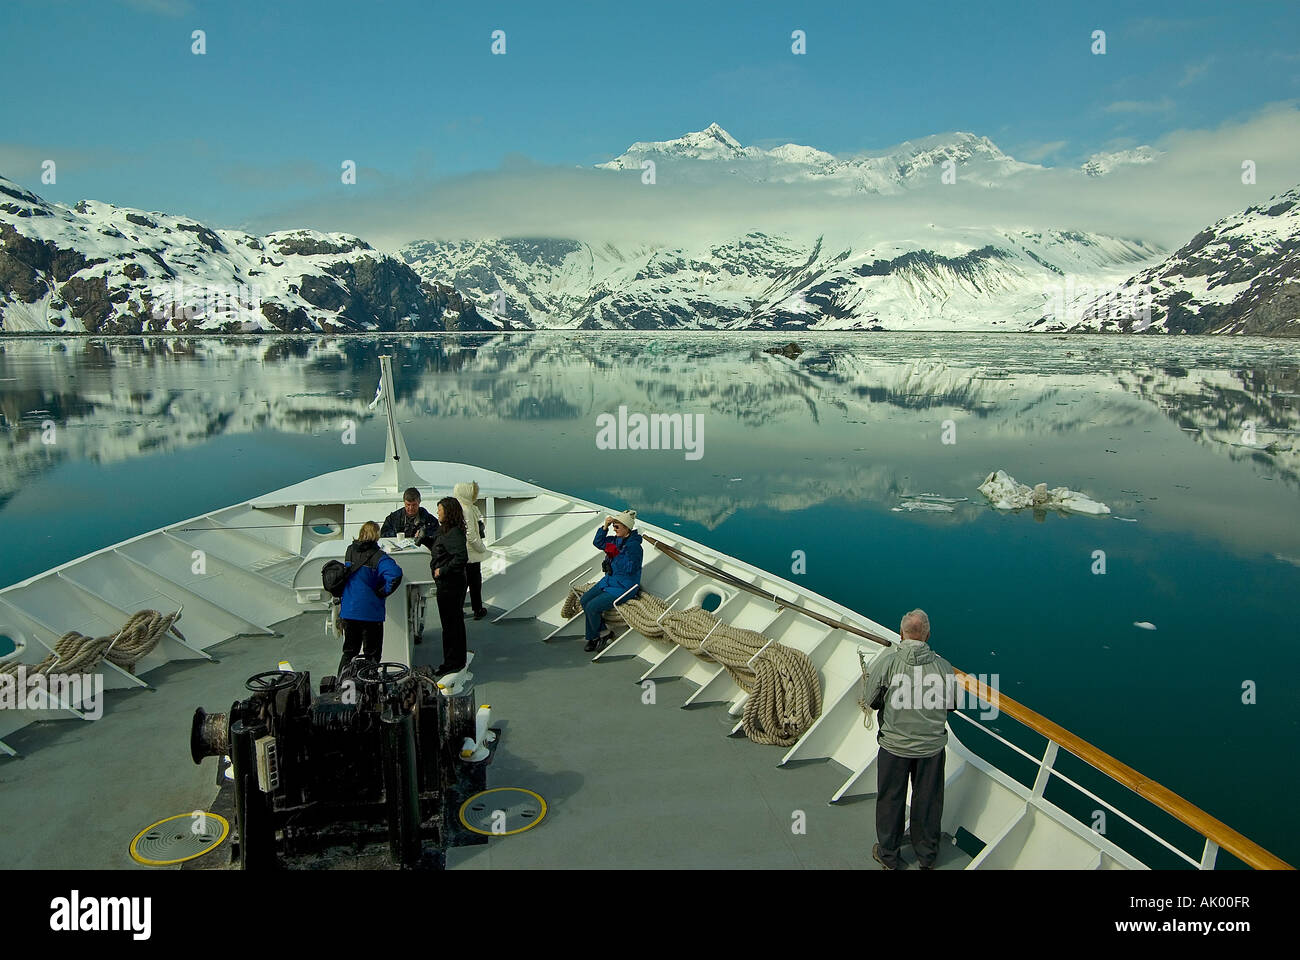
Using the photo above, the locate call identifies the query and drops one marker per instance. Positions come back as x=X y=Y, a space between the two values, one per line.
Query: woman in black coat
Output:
x=450 y=557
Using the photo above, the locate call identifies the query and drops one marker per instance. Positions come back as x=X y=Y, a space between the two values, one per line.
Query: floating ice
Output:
x=1144 y=624
x=1006 y=494
x=923 y=505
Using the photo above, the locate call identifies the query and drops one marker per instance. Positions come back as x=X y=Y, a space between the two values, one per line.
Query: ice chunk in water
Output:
x=910 y=505
x=1005 y=493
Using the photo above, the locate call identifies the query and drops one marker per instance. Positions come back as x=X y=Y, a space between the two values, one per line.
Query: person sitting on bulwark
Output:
x=914 y=689
x=622 y=565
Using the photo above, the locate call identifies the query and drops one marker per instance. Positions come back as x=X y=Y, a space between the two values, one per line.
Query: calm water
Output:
x=814 y=455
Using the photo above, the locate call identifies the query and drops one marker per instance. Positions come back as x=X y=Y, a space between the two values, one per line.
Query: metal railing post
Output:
x=1045 y=768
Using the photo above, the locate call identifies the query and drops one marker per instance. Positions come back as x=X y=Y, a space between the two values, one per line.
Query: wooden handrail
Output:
x=1241 y=847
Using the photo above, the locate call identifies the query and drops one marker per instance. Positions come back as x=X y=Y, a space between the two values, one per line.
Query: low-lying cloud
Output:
x=1197 y=181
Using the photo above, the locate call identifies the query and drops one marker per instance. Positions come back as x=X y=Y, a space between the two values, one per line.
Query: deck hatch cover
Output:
x=501 y=811
x=179 y=838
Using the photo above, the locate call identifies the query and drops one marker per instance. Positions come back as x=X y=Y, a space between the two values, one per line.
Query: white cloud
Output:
x=1196 y=182
x=167 y=8
x=1163 y=105
x=1194 y=71
x=1038 y=152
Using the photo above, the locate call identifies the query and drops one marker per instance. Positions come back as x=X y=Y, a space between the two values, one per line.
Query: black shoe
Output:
x=590 y=646
x=480 y=614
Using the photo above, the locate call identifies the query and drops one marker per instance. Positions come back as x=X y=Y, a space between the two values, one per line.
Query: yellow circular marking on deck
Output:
x=488 y=833
x=140 y=858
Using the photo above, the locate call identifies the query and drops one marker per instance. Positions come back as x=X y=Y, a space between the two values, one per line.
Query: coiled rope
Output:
x=785 y=693
x=77 y=653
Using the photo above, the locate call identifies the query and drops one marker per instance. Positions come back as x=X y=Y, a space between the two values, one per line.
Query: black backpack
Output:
x=334 y=576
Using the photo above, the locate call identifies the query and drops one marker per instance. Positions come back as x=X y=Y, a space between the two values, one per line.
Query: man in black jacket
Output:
x=410 y=520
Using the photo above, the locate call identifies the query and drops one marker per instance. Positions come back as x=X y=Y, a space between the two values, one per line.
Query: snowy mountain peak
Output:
x=711 y=143
x=958 y=143
x=707 y=153
x=715 y=131
x=1100 y=164
x=794 y=153
x=19 y=202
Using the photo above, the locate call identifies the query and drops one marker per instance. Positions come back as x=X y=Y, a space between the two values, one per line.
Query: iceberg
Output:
x=1004 y=493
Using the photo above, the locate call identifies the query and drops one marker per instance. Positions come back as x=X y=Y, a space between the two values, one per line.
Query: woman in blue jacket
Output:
x=622 y=547
x=377 y=575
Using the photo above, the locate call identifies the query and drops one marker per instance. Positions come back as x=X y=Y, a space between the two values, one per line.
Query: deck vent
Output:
x=708 y=597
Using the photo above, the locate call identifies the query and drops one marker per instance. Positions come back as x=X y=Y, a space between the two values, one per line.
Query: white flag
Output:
x=379 y=392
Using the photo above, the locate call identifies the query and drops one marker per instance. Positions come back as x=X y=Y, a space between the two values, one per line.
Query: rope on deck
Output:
x=77 y=653
x=785 y=694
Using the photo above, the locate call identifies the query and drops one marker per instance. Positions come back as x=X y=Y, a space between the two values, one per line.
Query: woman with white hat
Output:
x=467 y=494
x=622 y=566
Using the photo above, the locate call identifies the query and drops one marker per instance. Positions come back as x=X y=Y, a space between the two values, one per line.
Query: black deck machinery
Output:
x=367 y=773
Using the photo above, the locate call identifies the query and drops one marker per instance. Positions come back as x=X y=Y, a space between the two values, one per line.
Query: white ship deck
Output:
x=627 y=784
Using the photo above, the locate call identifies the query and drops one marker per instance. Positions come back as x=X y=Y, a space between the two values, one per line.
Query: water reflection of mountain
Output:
x=1222 y=408
x=780 y=491
x=116 y=399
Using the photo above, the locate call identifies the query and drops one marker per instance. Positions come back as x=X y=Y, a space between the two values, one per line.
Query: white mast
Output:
x=398 y=473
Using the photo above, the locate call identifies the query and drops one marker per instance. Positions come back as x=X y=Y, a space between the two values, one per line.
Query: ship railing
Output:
x=1218 y=835
x=1046 y=769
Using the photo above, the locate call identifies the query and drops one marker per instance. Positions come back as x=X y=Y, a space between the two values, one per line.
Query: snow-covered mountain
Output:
x=99 y=268
x=707 y=153
x=1100 y=164
x=96 y=267
x=971 y=279
x=933 y=277
x=1240 y=275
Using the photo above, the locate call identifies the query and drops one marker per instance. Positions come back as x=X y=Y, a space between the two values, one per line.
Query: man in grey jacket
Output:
x=918 y=689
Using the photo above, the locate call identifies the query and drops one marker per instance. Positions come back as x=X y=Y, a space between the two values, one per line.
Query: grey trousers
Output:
x=892 y=774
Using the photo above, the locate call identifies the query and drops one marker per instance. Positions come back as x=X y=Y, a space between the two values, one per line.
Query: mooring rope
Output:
x=785 y=694
x=77 y=653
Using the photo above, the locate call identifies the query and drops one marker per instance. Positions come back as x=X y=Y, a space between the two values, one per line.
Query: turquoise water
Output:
x=1190 y=439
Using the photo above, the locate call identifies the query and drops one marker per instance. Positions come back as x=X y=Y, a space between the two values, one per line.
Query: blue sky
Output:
x=411 y=92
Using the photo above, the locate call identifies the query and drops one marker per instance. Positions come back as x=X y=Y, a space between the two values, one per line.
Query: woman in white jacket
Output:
x=467 y=493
